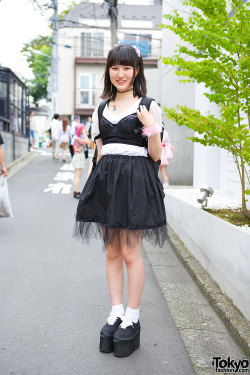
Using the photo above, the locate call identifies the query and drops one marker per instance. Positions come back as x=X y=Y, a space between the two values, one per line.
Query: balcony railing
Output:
x=99 y=47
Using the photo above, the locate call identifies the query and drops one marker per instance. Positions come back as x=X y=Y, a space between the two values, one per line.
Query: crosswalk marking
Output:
x=64 y=176
x=58 y=188
x=67 y=167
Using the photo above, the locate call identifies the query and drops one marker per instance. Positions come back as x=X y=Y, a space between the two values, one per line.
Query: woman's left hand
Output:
x=146 y=118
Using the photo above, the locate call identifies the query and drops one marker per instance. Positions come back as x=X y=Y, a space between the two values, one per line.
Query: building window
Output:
x=13 y=106
x=143 y=42
x=87 y=92
x=92 y=44
x=3 y=99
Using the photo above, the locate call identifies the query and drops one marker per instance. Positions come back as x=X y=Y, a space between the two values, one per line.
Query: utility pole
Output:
x=113 y=20
x=54 y=61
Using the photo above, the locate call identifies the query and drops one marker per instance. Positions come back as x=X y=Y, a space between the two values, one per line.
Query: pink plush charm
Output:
x=150 y=131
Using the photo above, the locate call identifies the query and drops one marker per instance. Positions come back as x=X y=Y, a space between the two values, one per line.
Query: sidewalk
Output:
x=55 y=298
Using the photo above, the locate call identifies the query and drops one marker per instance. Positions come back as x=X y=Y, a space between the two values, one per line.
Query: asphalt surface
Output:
x=53 y=291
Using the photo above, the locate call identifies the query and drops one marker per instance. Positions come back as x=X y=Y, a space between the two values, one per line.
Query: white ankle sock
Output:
x=132 y=314
x=117 y=310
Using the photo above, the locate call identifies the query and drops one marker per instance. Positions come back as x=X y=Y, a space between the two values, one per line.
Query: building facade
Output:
x=84 y=42
x=14 y=115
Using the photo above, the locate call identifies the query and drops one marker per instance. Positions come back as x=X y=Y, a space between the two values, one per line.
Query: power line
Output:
x=84 y=26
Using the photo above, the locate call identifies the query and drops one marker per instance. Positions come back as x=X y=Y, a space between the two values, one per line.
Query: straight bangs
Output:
x=125 y=55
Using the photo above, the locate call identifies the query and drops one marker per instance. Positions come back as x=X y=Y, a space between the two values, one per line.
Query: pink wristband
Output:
x=150 y=131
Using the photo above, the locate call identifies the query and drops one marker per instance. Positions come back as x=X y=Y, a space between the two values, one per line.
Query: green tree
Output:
x=215 y=51
x=38 y=53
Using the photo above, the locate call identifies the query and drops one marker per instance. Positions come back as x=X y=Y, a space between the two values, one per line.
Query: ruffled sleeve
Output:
x=95 y=122
x=155 y=110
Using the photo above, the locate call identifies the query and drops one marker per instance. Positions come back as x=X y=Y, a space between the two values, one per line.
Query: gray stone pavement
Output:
x=54 y=296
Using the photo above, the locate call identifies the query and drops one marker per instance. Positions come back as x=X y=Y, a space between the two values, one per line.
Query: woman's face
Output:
x=121 y=76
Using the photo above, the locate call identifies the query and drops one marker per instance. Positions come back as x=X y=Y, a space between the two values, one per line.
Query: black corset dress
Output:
x=123 y=195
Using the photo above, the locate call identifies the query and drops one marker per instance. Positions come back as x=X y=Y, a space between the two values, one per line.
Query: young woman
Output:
x=166 y=155
x=122 y=201
x=64 y=138
x=78 y=161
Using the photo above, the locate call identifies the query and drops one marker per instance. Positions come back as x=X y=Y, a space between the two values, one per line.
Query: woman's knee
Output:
x=130 y=256
x=113 y=253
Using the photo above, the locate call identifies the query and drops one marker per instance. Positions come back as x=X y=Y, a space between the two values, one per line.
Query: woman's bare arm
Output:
x=99 y=149
x=154 y=141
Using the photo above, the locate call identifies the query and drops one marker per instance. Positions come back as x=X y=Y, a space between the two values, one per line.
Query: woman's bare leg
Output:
x=163 y=169
x=131 y=253
x=77 y=179
x=114 y=270
x=64 y=152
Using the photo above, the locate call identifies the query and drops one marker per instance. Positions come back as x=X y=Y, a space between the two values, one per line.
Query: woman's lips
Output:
x=120 y=82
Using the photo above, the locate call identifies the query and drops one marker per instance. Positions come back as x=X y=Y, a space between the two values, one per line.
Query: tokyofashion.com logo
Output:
x=229 y=365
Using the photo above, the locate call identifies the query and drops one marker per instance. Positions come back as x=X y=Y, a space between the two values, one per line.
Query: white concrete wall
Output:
x=153 y=78
x=220 y=247
x=229 y=179
x=212 y=165
x=66 y=71
x=174 y=93
x=21 y=147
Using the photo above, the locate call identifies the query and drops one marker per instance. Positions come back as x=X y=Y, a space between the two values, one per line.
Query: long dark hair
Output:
x=65 y=124
x=124 y=54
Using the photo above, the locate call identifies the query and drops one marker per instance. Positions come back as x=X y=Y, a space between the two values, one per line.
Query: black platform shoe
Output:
x=127 y=338
x=107 y=333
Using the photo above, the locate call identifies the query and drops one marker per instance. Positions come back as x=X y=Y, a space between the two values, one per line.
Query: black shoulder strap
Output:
x=100 y=112
x=146 y=101
x=101 y=109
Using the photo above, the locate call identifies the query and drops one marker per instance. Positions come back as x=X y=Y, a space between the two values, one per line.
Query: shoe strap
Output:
x=126 y=322
x=112 y=319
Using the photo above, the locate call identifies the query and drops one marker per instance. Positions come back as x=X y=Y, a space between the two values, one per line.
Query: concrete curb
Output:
x=19 y=163
x=236 y=323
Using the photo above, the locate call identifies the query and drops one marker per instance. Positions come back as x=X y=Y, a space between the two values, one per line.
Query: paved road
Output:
x=53 y=291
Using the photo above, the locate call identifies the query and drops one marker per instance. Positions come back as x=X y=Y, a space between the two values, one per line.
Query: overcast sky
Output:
x=19 y=24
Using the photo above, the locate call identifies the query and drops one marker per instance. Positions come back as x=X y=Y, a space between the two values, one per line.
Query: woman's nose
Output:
x=120 y=73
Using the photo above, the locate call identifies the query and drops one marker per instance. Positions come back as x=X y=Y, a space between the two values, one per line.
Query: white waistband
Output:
x=123 y=149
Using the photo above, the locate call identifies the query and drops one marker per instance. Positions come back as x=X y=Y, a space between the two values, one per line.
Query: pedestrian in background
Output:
x=88 y=127
x=65 y=135
x=122 y=200
x=5 y=206
x=74 y=123
x=56 y=127
x=32 y=130
x=166 y=155
x=78 y=161
x=2 y=162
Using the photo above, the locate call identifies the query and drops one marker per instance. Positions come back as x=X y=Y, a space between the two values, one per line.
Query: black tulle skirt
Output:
x=122 y=200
